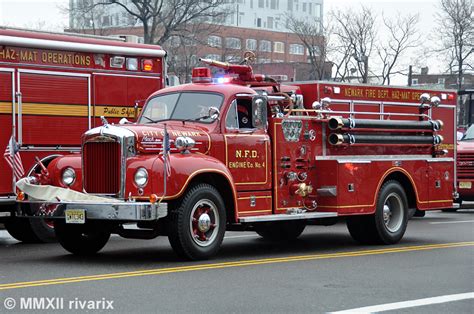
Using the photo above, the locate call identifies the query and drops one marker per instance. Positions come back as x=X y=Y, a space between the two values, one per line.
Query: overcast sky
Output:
x=46 y=14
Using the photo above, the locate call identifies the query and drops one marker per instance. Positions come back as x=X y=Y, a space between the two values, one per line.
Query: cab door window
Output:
x=239 y=115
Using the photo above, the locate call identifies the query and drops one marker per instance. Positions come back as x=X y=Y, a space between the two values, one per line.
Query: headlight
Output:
x=69 y=176
x=141 y=177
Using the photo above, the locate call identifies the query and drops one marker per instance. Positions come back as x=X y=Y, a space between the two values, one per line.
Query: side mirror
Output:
x=214 y=113
x=259 y=112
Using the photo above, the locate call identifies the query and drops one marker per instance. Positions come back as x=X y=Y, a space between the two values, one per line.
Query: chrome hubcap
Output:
x=393 y=212
x=204 y=222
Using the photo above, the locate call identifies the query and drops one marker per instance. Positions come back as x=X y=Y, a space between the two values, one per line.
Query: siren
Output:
x=202 y=75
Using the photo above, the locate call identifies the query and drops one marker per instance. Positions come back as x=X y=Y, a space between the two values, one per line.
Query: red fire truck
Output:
x=55 y=87
x=248 y=153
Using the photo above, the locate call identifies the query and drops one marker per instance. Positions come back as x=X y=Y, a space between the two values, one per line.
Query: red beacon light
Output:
x=147 y=65
x=202 y=75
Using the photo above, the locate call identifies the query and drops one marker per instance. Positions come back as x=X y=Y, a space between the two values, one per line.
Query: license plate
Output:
x=75 y=216
x=465 y=185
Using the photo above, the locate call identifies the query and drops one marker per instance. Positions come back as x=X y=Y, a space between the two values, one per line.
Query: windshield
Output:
x=469 y=135
x=181 y=106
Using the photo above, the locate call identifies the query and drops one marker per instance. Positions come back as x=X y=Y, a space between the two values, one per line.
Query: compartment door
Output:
x=54 y=108
x=7 y=118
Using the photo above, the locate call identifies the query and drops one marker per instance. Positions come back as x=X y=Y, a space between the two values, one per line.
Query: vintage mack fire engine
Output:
x=243 y=152
x=53 y=88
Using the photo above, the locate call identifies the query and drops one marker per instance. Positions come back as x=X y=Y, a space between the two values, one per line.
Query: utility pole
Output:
x=410 y=72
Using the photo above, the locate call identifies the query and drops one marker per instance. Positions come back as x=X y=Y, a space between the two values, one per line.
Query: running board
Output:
x=282 y=217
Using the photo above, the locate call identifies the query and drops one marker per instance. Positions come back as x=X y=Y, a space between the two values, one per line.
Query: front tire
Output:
x=389 y=223
x=197 y=225
x=86 y=239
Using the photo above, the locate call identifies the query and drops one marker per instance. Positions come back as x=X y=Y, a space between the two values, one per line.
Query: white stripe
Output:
x=451 y=222
x=408 y=304
x=242 y=236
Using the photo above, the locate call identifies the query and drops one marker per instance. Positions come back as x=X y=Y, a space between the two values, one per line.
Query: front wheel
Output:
x=85 y=239
x=197 y=224
x=389 y=223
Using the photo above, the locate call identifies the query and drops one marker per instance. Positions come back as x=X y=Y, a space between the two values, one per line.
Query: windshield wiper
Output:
x=154 y=121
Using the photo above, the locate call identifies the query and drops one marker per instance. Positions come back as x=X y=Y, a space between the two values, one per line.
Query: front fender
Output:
x=184 y=168
x=57 y=166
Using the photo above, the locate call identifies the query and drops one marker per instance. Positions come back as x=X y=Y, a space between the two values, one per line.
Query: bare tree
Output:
x=86 y=18
x=356 y=31
x=456 y=32
x=161 y=19
x=314 y=37
x=402 y=35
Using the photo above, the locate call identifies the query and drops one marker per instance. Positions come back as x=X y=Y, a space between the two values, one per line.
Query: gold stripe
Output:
x=255 y=197
x=242 y=263
x=256 y=211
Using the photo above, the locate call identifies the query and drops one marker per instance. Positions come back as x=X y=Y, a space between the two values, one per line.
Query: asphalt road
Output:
x=323 y=271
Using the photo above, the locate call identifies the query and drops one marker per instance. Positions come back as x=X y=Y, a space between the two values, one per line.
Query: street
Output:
x=323 y=271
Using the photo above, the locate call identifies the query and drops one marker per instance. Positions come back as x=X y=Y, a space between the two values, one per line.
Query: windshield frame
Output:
x=145 y=120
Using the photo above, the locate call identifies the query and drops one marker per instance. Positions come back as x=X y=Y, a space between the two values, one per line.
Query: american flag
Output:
x=166 y=152
x=12 y=156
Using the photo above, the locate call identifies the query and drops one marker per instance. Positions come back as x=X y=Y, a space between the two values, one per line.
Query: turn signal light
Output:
x=153 y=198
x=20 y=196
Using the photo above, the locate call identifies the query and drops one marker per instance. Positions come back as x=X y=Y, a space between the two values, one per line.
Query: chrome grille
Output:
x=465 y=167
x=102 y=167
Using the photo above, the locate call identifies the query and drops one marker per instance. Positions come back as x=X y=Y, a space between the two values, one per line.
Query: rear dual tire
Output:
x=31 y=230
x=389 y=222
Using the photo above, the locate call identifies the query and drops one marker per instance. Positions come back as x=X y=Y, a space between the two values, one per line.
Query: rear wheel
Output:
x=389 y=223
x=197 y=224
x=281 y=231
x=20 y=229
x=85 y=239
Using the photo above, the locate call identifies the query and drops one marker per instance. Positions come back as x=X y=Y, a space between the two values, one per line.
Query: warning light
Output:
x=202 y=75
x=450 y=96
x=20 y=196
x=147 y=65
x=153 y=198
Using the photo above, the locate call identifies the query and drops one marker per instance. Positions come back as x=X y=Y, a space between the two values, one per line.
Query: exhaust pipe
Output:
x=339 y=139
x=340 y=123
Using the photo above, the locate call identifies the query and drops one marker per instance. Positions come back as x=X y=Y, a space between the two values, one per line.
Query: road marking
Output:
x=451 y=222
x=242 y=263
x=242 y=236
x=408 y=304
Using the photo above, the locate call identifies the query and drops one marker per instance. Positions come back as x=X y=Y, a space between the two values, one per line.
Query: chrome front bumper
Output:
x=116 y=211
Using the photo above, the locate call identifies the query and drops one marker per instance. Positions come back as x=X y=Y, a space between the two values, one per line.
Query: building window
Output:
x=251 y=44
x=213 y=57
x=273 y=5
x=214 y=41
x=264 y=60
x=296 y=49
x=270 y=22
x=261 y=3
x=232 y=43
x=317 y=10
x=279 y=47
x=259 y=22
x=174 y=41
x=265 y=45
x=441 y=80
x=290 y=5
x=414 y=81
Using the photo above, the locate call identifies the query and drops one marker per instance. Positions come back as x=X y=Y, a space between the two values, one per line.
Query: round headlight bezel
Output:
x=141 y=177
x=68 y=176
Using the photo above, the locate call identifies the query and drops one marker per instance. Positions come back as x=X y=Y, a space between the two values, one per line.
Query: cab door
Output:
x=247 y=148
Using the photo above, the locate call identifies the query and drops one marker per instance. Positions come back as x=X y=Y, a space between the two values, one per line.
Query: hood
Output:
x=150 y=137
